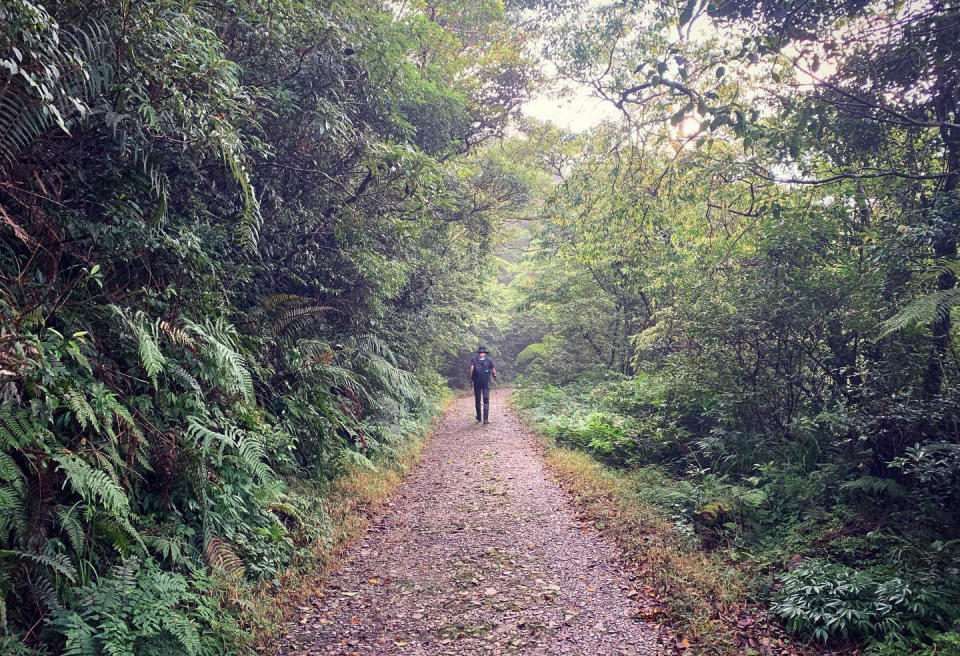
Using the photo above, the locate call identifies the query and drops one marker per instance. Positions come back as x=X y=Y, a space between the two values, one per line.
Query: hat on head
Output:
x=482 y=349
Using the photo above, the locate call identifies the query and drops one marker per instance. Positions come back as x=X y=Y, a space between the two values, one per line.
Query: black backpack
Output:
x=481 y=370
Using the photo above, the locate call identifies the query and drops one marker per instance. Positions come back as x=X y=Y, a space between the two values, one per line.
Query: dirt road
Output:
x=478 y=552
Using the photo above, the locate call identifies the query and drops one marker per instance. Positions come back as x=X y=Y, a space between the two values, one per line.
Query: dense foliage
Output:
x=236 y=241
x=745 y=289
x=239 y=242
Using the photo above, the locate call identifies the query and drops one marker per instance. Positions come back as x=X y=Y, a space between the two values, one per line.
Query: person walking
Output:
x=481 y=369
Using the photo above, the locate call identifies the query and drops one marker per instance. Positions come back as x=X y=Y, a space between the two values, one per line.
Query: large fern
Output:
x=93 y=485
x=376 y=362
x=150 y=356
x=220 y=340
x=134 y=609
x=245 y=446
x=923 y=310
x=18 y=429
x=58 y=563
x=291 y=314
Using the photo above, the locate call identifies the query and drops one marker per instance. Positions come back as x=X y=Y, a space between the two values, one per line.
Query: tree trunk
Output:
x=945 y=247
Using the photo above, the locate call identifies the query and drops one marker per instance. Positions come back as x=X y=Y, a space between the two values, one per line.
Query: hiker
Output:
x=481 y=368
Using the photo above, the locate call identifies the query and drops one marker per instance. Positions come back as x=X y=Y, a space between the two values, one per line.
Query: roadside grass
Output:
x=707 y=602
x=347 y=508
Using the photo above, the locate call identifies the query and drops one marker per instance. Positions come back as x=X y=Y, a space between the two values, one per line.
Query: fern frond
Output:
x=118 y=532
x=221 y=557
x=108 y=459
x=248 y=230
x=9 y=501
x=93 y=485
x=82 y=638
x=12 y=435
x=58 y=563
x=150 y=356
x=253 y=455
x=44 y=590
x=371 y=344
x=299 y=319
x=284 y=508
x=123 y=415
x=875 y=486
x=177 y=335
x=220 y=336
x=9 y=470
x=396 y=381
x=183 y=377
x=71 y=527
x=925 y=309
x=124 y=574
x=82 y=411
x=233 y=365
x=17 y=429
x=204 y=436
x=183 y=630
x=276 y=300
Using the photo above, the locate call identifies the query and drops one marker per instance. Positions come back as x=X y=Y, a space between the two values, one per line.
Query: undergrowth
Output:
x=727 y=555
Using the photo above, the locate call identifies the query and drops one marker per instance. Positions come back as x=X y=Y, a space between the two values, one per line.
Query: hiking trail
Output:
x=477 y=552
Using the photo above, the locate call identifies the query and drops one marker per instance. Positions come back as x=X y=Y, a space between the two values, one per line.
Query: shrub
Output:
x=823 y=601
x=141 y=609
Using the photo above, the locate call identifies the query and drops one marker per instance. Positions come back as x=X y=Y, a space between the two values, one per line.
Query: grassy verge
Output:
x=707 y=601
x=352 y=499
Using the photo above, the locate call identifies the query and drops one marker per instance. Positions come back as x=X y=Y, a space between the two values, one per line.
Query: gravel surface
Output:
x=478 y=552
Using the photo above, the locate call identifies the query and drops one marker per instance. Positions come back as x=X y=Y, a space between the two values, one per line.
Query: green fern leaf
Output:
x=82 y=411
x=9 y=470
x=183 y=377
x=204 y=436
x=59 y=563
x=17 y=429
x=71 y=527
x=93 y=485
x=252 y=455
x=923 y=310
x=150 y=356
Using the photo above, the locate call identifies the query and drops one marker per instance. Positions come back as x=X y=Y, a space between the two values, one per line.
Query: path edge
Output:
x=599 y=498
x=355 y=500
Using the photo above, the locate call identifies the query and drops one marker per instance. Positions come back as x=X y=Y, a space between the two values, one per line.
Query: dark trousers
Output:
x=482 y=389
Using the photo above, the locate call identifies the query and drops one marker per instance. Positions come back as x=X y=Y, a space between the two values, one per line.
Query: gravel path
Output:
x=477 y=553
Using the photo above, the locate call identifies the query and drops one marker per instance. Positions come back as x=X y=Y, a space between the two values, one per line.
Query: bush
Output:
x=824 y=601
x=141 y=609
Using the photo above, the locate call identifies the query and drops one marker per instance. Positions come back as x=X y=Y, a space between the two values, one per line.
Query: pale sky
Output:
x=577 y=110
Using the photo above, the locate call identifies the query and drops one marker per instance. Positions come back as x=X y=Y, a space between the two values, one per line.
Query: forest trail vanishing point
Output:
x=478 y=552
